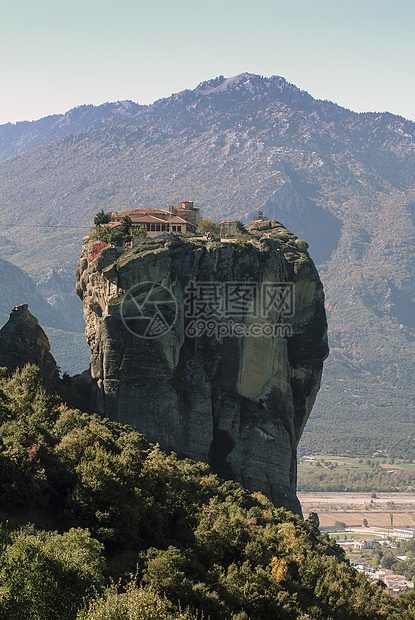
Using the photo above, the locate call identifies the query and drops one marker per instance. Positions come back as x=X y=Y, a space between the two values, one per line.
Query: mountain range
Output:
x=343 y=181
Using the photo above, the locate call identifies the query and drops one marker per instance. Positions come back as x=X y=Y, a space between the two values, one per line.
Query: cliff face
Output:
x=23 y=341
x=213 y=350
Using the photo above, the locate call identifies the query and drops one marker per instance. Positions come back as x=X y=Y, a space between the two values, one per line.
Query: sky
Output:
x=56 y=55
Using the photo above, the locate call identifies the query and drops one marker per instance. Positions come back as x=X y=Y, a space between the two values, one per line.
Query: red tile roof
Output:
x=132 y=212
x=151 y=215
x=111 y=224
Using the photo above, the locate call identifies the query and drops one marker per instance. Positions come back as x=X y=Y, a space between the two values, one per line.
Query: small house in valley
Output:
x=364 y=543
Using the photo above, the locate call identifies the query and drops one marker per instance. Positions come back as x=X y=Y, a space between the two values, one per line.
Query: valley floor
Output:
x=352 y=508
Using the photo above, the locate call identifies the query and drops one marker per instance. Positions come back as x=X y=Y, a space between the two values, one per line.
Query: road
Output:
x=356 y=499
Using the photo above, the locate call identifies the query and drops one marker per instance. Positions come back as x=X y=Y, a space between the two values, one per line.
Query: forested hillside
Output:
x=84 y=500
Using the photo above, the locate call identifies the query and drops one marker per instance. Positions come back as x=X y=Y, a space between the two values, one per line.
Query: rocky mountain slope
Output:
x=343 y=181
x=24 y=136
x=177 y=370
x=17 y=288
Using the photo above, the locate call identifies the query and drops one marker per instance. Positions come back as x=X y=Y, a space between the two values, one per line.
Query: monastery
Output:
x=178 y=220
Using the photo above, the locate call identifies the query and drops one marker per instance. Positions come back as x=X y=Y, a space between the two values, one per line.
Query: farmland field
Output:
x=386 y=510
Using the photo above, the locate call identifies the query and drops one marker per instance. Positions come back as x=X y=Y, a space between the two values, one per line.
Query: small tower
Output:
x=188 y=212
x=260 y=217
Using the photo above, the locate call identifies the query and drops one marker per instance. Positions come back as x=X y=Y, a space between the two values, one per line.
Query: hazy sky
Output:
x=57 y=54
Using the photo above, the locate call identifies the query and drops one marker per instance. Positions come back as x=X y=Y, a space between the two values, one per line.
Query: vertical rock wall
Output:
x=238 y=401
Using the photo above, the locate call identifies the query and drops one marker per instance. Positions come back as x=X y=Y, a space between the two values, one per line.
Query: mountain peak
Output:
x=223 y=84
x=251 y=83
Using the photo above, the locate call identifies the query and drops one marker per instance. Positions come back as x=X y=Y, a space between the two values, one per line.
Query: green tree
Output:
x=376 y=560
x=388 y=560
x=48 y=575
x=102 y=218
x=135 y=603
x=207 y=226
x=126 y=224
x=106 y=234
x=138 y=231
x=117 y=237
x=101 y=233
x=314 y=521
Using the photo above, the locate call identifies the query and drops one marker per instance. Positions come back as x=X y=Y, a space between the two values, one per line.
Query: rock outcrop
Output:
x=23 y=341
x=304 y=216
x=220 y=358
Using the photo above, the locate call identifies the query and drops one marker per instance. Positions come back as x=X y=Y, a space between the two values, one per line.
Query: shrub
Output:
x=138 y=231
x=207 y=226
x=242 y=247
x=301 y=245
x=135 y=603
x=96 y=249
x=47 y=575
